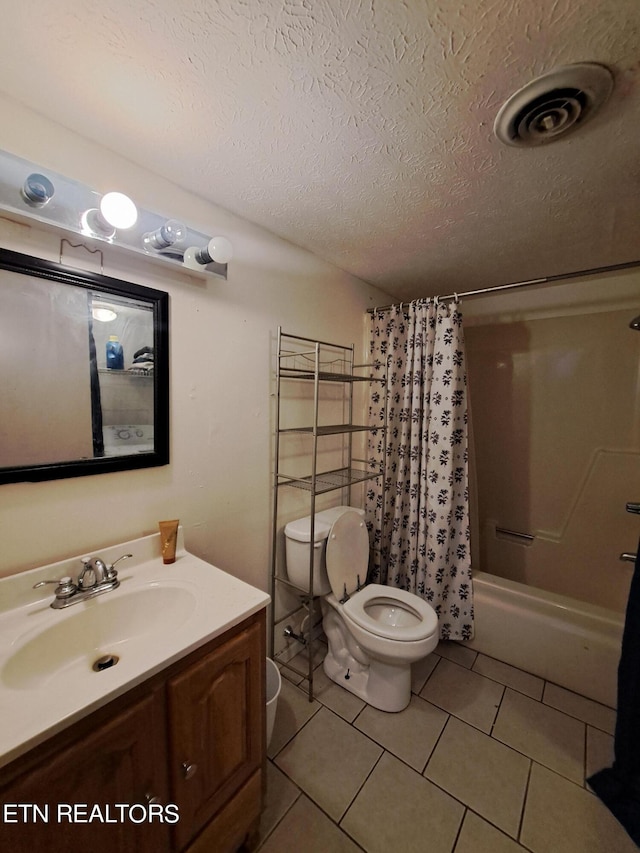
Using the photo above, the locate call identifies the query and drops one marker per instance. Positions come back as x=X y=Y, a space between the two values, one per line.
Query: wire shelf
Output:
x=330 y=429
x=323 y=375
x=329 y=480
x=313 y=361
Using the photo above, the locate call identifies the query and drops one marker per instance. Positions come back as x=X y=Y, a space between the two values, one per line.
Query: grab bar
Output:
x=504 y=532
x=628 y=558
x=633 y=507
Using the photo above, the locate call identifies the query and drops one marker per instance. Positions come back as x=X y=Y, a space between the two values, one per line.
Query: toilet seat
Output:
x=347 y=556
x=347 y=560
x=356 y=610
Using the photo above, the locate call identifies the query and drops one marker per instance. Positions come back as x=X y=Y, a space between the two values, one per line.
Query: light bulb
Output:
x=218 y=250
x=118 y=210
x=190 y=258
x=94 y=224
x=171 y=232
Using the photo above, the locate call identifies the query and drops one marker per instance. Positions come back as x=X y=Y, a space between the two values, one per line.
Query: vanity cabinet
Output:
x=116 y=763
x=192 y=736
x=216 y=708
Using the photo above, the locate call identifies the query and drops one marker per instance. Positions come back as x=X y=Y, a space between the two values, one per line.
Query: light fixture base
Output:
x=29 y=193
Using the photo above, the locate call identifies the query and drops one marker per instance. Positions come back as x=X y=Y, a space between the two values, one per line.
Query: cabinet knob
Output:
x=188 y=769
x=151 y=799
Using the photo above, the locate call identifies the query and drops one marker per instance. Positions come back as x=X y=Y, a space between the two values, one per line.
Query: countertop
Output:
x=45 y=687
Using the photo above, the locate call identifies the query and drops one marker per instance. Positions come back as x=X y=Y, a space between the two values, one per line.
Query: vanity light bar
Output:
x=28 y=192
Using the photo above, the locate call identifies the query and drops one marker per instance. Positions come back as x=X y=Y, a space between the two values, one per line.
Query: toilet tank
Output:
x=297 y=540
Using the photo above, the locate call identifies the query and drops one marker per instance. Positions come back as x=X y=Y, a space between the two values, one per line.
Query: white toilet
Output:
x=374 y=632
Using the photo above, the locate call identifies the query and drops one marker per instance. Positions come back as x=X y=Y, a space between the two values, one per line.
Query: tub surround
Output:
x=558 y=463
x=36 y=705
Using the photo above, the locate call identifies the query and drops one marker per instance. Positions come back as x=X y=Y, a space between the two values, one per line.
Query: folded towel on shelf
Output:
x=145 y=354
x=142 y=361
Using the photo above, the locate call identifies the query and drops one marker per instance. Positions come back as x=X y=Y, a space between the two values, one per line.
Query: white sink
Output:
x=95 y=628
x=158 y=614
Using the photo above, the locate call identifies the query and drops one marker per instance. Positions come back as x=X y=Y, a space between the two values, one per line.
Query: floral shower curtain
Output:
x=419 y=512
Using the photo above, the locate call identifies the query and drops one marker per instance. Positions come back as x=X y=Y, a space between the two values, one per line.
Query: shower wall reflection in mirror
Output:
x=83 y=372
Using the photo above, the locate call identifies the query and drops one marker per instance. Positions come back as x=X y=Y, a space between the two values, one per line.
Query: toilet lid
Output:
x=347 y=554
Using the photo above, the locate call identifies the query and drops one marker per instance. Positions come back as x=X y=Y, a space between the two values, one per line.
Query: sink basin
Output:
x=158 y=615
x=96 y=627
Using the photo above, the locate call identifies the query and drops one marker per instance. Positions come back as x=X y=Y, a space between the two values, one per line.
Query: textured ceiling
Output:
x=362 y=131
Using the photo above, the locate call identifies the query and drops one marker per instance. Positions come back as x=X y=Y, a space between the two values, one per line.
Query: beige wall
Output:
x=221 y=361
x=554 y=379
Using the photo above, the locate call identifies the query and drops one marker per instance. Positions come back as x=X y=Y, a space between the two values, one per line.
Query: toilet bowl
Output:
x=374 y=632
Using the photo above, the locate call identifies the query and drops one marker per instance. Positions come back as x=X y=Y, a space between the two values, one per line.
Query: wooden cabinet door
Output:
x=122 y=762
x=216 y=712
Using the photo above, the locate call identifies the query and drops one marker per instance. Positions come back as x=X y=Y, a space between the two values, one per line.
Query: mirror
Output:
x=84 y=372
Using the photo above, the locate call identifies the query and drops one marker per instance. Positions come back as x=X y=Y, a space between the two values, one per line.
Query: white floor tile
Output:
x=421 y=670
x=478 y=836
x=399 y=810
x=410 y=735
x=306 y=828
x=544 y=734
x=597 y=715
x=469 y=696
x=518 y=679
x=564 y=818
x=281 y=794
x=481 y=772
x=599 y=750
x=292 y=712
x=359 y=768
x=329 y=760
x=458 y=652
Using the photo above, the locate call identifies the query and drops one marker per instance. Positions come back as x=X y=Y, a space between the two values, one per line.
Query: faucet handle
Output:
x=65 y=587
x=111 y=572
x=44 y=583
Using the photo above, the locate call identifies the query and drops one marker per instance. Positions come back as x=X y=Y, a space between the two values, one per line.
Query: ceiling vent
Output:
x=553 y=105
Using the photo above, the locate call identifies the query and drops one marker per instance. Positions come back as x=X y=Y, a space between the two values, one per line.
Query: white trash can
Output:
x=274 y=684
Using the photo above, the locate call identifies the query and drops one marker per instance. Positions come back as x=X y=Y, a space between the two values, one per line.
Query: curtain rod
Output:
x=512 y=285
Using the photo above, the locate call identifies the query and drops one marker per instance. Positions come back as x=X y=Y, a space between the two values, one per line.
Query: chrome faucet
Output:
x=95 y=578
x=95 y=568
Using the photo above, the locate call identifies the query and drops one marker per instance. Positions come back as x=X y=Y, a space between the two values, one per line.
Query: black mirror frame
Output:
x=159 y=301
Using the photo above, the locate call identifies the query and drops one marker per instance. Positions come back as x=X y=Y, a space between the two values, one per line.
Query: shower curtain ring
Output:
x=456 y=297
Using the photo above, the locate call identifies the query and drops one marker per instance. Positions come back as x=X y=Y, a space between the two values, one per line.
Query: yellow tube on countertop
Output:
x=168 y=538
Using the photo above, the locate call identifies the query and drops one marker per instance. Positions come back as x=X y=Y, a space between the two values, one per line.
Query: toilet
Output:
x=374 y=632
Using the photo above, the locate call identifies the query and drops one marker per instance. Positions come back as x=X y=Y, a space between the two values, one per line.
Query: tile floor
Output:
x=485 y=759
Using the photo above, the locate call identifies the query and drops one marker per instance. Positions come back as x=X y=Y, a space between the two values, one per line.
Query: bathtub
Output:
x=568 y=642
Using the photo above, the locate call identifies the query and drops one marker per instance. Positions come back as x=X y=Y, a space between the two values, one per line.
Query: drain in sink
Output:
x=105 y=662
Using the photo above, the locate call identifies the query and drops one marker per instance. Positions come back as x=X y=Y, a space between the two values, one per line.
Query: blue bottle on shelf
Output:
x=115 y=355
